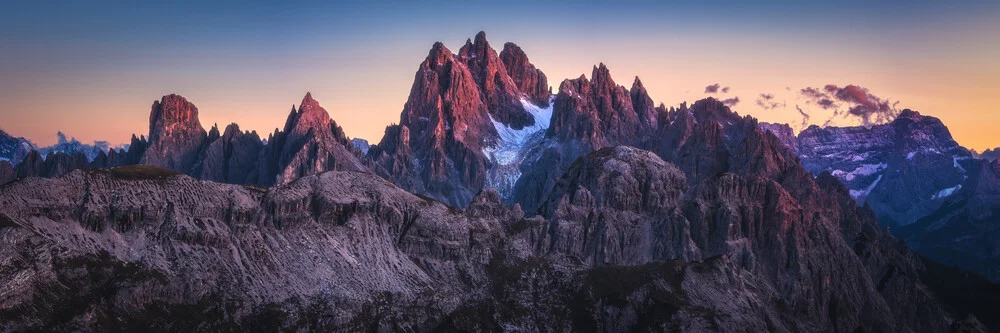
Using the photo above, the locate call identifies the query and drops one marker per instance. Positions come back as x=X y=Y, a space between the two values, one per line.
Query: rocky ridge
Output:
x=144 y=248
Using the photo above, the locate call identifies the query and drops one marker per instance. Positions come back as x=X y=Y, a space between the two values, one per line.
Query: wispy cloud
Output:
x=805 y=117
x=768 y=102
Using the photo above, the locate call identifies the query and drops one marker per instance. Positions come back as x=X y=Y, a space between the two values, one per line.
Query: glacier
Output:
x=508 y=152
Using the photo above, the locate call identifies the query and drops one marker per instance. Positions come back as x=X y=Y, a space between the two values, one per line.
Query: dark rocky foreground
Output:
x=625 y=243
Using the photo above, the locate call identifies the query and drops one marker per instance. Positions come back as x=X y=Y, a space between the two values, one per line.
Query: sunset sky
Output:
x=92 y=70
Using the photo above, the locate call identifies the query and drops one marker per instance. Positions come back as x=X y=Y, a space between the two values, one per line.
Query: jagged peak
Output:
x=439 y=54
x=481 y=38
x=232 y=128
x=513 y=49
x=637 y=84
x=602 y=76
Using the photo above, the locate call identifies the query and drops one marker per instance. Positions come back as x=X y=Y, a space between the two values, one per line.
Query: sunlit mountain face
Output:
x=570 y=167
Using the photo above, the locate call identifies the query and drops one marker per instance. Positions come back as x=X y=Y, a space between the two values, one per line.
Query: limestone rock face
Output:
x=587 y=115
x=497 y=90
x=597 y=112
x=784 y=133
x=232 y=157
x=530 y=80
x=644 y=108
x=310 y=144
x=437 y=148
x=176 y=137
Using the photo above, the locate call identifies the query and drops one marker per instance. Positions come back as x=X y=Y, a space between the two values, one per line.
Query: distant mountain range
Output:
x=497 y=205
x=930 y=191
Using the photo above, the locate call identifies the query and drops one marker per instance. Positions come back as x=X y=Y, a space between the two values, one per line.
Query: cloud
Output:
x=852 y=101
x=725 y=90
x=711 y=89
x=805 y=117
x=731 y=101
x=813 y=93
x=767 y=102
x=826 y=103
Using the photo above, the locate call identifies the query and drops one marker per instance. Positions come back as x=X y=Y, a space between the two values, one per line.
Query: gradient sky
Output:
x=92 y=70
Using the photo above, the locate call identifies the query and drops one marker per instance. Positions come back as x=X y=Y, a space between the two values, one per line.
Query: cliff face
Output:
x=310 y=144
x=232 y=157
x=626 y=243
x=175 y=134
x=465 y=123
x=530 y=80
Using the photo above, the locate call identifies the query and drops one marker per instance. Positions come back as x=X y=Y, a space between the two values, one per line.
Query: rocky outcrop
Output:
x=310 y=143
x=784 y=133
x=232 y=157
x=596 y=112
x=437 y=148
x=176 y=137
x=497 y=90
x=52 y=165
x=587 y=115
x=530 y=80
x=644 y=108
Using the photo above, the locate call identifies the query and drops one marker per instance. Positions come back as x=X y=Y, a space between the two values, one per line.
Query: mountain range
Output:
x=497 y=205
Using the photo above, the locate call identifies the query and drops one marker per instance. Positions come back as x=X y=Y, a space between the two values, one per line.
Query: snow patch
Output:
x=856 y=194
x=946 y=192
x=508 y=152
x=863 y=170
x=955 y=159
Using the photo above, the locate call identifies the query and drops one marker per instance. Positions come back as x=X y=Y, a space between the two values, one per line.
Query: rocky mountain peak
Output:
x=644 y=107
x=498 y=91
x=312 y=117
x=438 y=55
x=530 y=80
x=175 y=134
x=311 y=143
